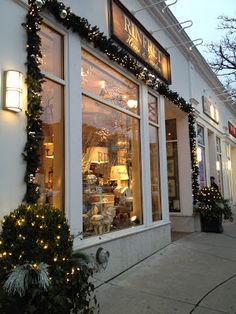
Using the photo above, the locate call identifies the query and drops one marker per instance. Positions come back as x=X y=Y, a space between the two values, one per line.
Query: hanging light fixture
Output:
x=13 y=90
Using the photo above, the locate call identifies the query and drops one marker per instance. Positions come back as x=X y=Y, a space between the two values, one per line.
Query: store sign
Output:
x=210 y=109
x=127 y=31
x=232 y=129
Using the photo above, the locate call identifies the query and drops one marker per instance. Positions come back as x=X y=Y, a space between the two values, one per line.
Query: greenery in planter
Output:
x=38 y=272
x=211 y=205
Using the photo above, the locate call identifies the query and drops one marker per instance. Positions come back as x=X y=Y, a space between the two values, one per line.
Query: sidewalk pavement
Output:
x=194 y=274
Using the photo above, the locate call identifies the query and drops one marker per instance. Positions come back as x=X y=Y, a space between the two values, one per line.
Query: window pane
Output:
x=152 y=108
x=200 y=135
x=52 y=51
x=173 y=176
x=218 y=146
x=50 y=174
x=103 y=81
x=111 y=169
x=171 y=133
x=155 y=177
x=219 y=172
x=202 y=167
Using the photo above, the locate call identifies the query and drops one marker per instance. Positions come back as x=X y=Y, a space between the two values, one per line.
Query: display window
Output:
x=50 y=175
x=229 y=171
x=172 y=165
x=154 y=157
x=219 y=164
x=52 y=51
x=112 y=198
x=201 y=156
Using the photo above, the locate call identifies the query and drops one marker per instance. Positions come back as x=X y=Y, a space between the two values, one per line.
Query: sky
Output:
x=204 y=15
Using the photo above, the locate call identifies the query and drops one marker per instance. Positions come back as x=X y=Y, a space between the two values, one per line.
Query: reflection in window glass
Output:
x=103 y=81
x=52 y=51
x=171 y=133
x=229 y=171
x=152 y=108
x=51 y=168
x=200 y=135
x=201 y=166
x=111 y=169
x=154 y=163
x=201 y=156
x=172 y=166
x=219 y=164
x=218 y=145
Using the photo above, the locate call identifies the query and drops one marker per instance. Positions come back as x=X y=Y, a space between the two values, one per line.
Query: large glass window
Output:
x=154 y=157
x=108 y=84
x=111 y=150
x=172 y=165
x=219 y=164
x=50 y=175
x=229 y=170
x=201 y=156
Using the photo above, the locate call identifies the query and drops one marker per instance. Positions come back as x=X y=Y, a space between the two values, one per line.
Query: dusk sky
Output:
x=204 y=15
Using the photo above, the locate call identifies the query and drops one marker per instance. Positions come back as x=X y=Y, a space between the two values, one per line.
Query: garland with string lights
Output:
x=115 y=53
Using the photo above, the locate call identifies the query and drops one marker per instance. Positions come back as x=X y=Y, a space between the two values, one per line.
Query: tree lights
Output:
x=38 y=273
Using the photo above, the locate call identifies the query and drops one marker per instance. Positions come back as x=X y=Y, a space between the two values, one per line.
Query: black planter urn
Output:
x=211 y=225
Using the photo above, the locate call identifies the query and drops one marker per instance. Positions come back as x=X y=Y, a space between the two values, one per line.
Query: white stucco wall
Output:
x=12 y=125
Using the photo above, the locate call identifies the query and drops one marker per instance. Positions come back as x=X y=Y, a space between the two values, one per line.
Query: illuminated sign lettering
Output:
x=127 y=31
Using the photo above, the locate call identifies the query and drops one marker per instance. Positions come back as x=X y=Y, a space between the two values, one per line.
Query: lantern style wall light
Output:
x=13 y=90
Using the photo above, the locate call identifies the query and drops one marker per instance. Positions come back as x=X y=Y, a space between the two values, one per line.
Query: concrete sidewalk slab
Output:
x=200 y=266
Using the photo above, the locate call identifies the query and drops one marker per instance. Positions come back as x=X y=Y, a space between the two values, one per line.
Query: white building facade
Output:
x=115 y=151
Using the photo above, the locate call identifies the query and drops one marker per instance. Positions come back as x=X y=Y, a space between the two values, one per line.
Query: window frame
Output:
x=63 y=82
x=157 y=127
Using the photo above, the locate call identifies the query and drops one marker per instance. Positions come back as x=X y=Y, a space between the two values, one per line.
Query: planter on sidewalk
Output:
x=211 y=207
x=211 y=225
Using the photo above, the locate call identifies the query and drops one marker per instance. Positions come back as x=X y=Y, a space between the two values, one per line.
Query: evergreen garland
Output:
x=115 y=53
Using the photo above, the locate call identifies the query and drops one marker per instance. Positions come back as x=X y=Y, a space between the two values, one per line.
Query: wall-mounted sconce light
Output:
x=217 y=165
x=151 y=5
x=168 y=5
x=13 y=90
x=146 y=7
x=195 y=42
x=189 y=24
x=229 y=164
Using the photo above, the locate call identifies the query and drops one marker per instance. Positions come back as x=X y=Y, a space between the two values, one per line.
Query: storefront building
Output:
x=117 y=145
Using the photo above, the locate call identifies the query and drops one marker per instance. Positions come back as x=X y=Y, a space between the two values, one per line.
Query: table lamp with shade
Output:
x=119 y=173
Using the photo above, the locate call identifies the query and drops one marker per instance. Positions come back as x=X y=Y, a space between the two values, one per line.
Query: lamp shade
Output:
x=13 y=90
x=119 y=172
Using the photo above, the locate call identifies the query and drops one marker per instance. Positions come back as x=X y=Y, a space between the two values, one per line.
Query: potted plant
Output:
x=39 y=273
x=212 y=207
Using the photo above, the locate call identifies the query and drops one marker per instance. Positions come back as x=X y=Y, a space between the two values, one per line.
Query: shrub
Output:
x=36 y=246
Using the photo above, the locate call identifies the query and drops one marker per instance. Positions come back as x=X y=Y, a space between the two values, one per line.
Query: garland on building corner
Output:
x=115 y=53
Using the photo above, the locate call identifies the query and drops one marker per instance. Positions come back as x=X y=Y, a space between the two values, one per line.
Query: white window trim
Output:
x=145 y=163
